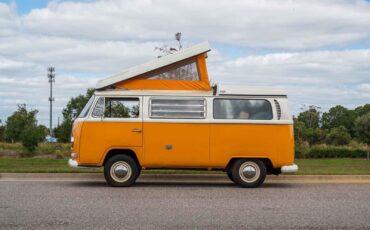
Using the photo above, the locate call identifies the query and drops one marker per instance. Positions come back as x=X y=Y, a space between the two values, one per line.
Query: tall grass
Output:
x=59 y=150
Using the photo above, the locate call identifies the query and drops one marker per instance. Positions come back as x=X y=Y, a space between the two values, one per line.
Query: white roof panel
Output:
x=155 y=64
x=249 y=90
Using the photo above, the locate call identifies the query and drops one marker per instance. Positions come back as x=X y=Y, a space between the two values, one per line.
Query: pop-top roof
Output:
x=154 y=65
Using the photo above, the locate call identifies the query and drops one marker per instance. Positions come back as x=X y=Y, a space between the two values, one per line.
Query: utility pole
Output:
x=51 y=77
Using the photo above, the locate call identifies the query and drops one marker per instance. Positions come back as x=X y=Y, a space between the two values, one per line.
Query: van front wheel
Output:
x=121 y=171
x=249 y=173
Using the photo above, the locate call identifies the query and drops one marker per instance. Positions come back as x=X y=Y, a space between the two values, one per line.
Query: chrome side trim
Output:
x=289 y=168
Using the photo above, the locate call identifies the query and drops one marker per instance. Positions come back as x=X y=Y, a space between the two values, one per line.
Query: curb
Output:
x=184 y=178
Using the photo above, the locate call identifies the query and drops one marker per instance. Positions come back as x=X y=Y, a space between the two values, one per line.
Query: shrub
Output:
x=338 y=136
x=335 y=152
x=30 y=138
x=301 y=149
x=52 y=148
x=59 y=154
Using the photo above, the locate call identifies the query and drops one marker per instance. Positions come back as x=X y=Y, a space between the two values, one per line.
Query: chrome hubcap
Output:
x=120 y=171
x=249 y=172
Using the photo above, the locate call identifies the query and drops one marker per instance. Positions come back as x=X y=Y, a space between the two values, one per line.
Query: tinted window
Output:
x=177 y=108
x=246 y=109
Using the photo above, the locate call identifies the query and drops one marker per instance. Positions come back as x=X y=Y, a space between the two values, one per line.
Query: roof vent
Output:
x=278 y=109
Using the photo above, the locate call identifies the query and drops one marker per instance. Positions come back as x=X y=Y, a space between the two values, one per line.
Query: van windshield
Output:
x=87 y=107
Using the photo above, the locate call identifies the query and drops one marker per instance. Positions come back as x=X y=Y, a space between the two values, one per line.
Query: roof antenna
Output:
x=165 y=49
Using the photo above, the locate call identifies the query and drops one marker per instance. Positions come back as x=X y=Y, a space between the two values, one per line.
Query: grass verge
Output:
x=306 y=167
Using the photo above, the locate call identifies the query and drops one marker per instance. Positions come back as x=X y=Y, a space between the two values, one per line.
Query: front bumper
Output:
x=289 y=168
x=73 y=163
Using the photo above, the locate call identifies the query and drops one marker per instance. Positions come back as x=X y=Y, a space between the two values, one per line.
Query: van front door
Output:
x=115 y=123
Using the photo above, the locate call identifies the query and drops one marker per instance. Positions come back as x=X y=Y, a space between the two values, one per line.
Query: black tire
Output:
x=230 y=176
x=249 y=179
x=121 y=171
x=229 y=172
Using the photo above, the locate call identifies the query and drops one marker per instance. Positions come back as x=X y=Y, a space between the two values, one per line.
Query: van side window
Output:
x=245 y=109
x=117 y=107
x=122 y=107
x=99 y=108
x=181 y=71
x=178 y=108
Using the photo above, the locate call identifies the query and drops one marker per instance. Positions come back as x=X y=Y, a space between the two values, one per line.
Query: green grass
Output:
x=338 y=166
x=39 y=165
x=306 y=167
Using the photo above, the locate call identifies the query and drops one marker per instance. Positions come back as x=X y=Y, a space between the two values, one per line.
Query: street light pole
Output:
x=51 y=77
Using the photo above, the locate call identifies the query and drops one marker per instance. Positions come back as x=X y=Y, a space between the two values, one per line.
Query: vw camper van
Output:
x=165 y=115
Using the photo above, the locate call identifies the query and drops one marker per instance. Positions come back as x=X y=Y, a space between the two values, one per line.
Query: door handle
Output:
x=136 y=130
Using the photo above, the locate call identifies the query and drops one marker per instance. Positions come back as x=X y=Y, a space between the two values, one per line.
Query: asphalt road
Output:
x=176 y=205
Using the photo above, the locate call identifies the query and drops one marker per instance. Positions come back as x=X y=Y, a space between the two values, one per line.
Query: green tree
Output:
x=338 y=136
x=362 y=110
x=314 y=135
x=22 y=126
x=2 y=131
x=31 y=136
x=70 y=112
x=310 y=117
x=43 y=131
x=337 y=116
x=63 y=131
x=362 y=129
x=299 y=131
x=18 y=121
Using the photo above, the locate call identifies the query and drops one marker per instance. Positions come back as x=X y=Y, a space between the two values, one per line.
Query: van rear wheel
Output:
x=121 y=171
x=249 y=173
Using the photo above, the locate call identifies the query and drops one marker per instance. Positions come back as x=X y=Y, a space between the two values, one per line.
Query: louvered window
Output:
x=278 y=109
x=178 y=108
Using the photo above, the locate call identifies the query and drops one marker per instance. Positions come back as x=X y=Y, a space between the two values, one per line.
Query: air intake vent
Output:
x=278 y=109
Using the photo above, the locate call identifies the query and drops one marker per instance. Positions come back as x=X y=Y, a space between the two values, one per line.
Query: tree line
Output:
x=337 y=127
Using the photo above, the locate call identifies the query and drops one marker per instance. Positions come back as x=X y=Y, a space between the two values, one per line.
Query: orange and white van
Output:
x=164 y=115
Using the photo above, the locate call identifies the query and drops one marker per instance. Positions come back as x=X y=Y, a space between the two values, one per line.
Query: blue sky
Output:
x=318 y=51
x=24 y=6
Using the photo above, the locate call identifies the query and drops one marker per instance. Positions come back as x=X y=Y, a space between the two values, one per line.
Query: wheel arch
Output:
x=117 y=151
x=268 y=163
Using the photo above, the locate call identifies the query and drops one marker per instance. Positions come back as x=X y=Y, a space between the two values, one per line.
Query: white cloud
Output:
x=273 y=24
x=88 y=40
x=324 y=78
x=9 y=21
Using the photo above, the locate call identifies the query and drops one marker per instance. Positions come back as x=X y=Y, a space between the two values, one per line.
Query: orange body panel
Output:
x=99 y=137
x=174 y=144
x=274 y=142
x=76 y=133
x=184 y=145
